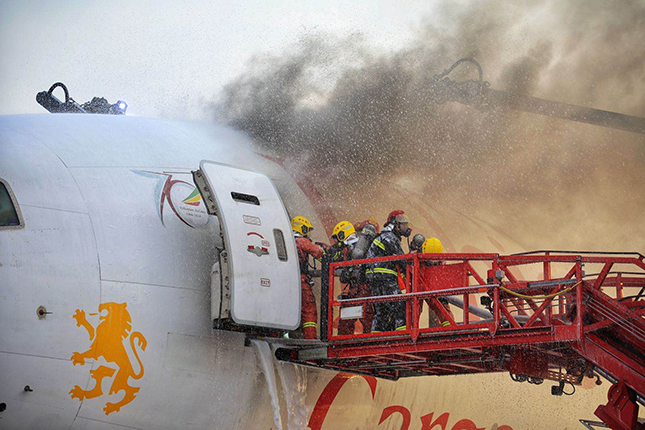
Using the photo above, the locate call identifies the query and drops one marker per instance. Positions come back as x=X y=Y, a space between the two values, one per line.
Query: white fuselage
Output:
x=111 y=216
x=104 y=221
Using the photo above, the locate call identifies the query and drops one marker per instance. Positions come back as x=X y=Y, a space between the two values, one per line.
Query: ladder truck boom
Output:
x=477 y=93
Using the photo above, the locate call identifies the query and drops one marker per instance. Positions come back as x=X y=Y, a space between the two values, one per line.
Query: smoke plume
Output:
x=363 y=123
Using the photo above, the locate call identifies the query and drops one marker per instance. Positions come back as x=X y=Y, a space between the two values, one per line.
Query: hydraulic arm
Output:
x=477 y=93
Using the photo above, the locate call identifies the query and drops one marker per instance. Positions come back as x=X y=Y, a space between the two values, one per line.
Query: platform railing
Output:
x=553 y=315
x=552 y=305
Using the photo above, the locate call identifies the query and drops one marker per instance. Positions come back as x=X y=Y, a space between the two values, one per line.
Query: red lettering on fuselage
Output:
x=333 y=387
x=329 y=394
x=400 y=409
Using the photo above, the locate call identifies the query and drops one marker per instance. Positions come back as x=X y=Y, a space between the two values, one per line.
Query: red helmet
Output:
x=397 y=216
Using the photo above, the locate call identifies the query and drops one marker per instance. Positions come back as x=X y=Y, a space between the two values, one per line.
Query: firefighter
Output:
x=436 y=318
x=344 y=237
x=301 y=227
x=432 y=246
x=383 y=277
x=417 y=242
x=367 y=231
x=348 y=240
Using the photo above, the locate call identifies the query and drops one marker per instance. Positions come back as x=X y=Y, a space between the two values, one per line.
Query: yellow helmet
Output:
x=432 y=246
x=343 y=230
x=301 y=225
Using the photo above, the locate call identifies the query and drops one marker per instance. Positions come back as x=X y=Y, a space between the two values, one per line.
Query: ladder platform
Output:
x=539 y=316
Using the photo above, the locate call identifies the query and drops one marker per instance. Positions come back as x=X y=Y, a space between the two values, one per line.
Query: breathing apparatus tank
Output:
x=365 y=238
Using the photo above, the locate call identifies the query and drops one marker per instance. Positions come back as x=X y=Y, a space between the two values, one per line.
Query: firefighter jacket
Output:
x=341 y=252
x=384 y=245
x=306 y=248
x=338 y=252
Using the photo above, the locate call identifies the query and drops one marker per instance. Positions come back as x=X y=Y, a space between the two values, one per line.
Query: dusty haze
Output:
x=362 y=125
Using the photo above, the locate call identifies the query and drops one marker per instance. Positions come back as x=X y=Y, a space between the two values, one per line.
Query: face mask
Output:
x=351 y=240
x=405 y=233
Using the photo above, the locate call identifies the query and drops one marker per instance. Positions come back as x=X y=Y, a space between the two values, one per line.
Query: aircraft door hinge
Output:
x=207 y=194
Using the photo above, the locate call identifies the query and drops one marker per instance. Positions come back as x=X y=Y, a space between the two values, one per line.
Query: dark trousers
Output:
x=389 y=316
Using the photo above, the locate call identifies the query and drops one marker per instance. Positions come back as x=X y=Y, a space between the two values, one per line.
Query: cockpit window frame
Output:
x=16 y=207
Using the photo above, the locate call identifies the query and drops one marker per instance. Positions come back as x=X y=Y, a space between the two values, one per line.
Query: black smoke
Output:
x=351 y=115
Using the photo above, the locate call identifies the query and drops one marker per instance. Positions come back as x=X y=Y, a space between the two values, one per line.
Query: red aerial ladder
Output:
x=540 y=316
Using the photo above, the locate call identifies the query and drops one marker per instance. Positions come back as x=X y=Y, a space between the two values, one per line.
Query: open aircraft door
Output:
x=257 y=280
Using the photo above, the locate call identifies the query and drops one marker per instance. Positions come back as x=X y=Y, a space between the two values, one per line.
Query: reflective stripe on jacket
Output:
x=384 y=245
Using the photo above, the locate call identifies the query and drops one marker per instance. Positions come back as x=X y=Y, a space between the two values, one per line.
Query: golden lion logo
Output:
x=107 y=342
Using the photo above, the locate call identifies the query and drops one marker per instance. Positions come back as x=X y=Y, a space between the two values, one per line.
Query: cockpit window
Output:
x=9 y=211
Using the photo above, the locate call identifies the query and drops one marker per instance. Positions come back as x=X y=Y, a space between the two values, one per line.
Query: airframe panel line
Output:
x=80 y=405
x=54 y=209
x=40 y=356
x=93 y=229
x=151 y=285
x=108 y=423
